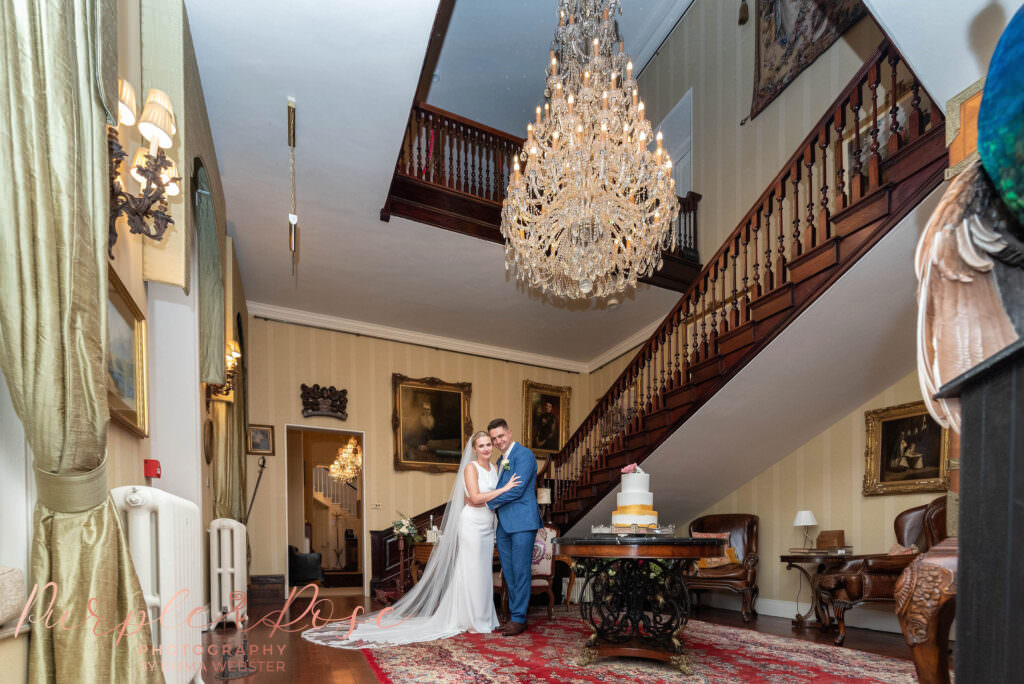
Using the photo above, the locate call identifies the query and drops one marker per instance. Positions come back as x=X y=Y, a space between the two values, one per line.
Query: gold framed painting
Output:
x=259 y=440
x=431 y=423
x=127 y=386
x=545 y=417
x=907 y=451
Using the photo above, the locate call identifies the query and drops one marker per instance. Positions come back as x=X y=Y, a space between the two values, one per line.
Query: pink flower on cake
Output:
x=631 y=468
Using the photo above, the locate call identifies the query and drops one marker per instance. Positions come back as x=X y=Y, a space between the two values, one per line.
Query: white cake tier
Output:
x=628 y=519
x=634 y=499
x=636 y=482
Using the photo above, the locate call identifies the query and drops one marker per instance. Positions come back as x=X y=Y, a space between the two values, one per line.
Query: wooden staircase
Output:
x=875 y=154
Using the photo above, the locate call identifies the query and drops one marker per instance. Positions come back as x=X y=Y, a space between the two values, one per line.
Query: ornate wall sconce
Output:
x=232 y=359
x=155 y=172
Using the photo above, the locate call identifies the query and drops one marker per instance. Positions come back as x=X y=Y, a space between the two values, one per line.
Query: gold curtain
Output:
x=211 y=286
x=228 y=459
x=58 y=69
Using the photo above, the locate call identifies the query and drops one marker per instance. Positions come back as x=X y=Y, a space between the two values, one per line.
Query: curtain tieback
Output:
x=72 y=492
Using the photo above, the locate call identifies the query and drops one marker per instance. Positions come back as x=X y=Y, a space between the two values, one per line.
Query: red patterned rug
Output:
x=547 y=653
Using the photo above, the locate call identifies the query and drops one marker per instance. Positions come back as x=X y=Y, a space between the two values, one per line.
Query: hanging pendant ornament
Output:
x=293 y=218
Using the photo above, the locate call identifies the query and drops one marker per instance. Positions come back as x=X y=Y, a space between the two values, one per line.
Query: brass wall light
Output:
x=154 y=171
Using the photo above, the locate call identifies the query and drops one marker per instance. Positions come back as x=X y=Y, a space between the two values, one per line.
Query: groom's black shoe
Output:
x=514 y=628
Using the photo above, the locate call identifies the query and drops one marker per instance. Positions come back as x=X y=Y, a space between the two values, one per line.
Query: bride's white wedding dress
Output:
x=455 y=593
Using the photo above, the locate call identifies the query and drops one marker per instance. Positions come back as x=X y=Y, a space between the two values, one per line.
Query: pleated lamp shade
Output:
x=156 y=123
x=139 y=160
x=126 y=107
x=543 y=496
x=164 y=100
x=171 y=187
x=804 y=519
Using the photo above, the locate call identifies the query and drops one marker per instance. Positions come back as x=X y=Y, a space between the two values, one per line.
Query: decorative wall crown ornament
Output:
x=330 y=402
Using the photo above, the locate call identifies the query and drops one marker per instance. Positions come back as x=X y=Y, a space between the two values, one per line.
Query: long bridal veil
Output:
x=421 y=614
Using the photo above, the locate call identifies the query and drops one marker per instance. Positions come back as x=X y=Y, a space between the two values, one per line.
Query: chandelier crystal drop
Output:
x=591 y=207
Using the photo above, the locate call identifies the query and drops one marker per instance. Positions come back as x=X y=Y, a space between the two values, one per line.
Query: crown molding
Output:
x=284 y=314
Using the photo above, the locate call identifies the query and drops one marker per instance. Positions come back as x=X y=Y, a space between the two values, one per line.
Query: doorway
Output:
x=325 y=514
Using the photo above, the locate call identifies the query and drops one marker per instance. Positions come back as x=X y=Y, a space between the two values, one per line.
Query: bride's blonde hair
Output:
x=477 y=435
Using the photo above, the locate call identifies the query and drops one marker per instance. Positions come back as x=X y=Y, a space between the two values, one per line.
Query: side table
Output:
x=820 y=561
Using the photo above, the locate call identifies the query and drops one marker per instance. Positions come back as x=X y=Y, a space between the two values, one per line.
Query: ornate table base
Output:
x=925 y=603
x=639 y=603
x=638 y=607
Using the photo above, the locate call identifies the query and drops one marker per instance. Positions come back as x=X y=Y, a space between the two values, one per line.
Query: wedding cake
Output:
x=635 y=502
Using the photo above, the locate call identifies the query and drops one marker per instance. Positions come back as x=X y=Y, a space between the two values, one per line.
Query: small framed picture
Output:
x=127 y=390
x=545 y=416
x=907 y=451
x=260 y=440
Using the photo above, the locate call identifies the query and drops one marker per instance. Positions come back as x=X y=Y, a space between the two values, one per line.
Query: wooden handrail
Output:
x=835 y=167
x=443 y=113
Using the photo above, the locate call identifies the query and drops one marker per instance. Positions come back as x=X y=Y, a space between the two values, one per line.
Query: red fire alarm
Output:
x=151 y=467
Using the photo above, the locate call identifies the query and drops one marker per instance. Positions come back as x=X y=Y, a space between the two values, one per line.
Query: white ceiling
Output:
x=492 y=65
x=847 y=347
x=353 y=69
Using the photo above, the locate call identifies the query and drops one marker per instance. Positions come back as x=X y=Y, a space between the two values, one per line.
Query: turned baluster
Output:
x=769 y=273
x=713 y=338
x=723 y=302
x=874 y=160
x=488 y=164
x=417 y=171
x=665 y=368
x=735 y=313
x=450 y=152
x=680 y=336
x=648 y=407
x=858 y=182
x=839 y=124
x=895 y=134
x=810 y=237
x=824 y=229
x=780 y=268
x=746 y=257
x=756 y=231
x=797 y=247
x=703 y=295
x=915 y=119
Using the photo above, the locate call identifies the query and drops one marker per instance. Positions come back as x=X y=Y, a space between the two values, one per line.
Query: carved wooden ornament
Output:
x=330 y=402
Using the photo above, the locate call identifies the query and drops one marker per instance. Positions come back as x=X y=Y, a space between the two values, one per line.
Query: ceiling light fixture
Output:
x=293 y=217
x=589 y=210
x=348 y=463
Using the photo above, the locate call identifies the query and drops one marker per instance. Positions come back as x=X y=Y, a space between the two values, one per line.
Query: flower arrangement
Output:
x=632 y=468
x=404 y=527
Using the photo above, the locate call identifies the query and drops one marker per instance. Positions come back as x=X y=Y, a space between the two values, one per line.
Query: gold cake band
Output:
x=635 y=509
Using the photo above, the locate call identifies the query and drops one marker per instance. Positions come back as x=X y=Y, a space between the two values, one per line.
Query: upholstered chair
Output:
x=872 y=578
x=739 y=574
x=542 y=570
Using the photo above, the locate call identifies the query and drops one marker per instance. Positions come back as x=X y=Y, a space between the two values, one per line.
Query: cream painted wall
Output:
x=733 y=163
x=825 y=475
x=283 y=356
x=602 y=378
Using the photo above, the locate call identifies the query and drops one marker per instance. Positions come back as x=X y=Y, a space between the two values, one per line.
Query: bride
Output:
x=455 y=593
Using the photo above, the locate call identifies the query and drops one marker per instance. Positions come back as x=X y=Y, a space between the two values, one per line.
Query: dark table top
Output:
x=823 y=557
x=639 y=546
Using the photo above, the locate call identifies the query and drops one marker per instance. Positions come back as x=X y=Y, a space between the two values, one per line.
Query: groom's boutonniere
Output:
x=508 y=465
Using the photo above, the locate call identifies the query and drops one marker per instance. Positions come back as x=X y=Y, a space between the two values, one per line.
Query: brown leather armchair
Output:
x=873 y=578
x=741 y=577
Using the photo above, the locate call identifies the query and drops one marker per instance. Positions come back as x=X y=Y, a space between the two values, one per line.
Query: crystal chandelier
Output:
x=591 y=208
x=348 y=463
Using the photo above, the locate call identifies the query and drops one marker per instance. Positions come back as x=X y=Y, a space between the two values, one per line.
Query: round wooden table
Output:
x=638 y=602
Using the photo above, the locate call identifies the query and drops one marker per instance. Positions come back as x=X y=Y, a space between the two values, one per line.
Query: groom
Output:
x=518 y=520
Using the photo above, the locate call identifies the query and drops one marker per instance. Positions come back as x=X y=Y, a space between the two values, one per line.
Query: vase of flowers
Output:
x=405 y=529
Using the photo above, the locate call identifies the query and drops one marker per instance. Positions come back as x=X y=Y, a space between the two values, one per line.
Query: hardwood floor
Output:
x=285 y=656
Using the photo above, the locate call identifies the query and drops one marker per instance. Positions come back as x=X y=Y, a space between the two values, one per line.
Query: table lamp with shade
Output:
x=805 y=519
x=544 y=499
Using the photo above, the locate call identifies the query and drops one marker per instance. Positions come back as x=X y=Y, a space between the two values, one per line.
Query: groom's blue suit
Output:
x=518 y=522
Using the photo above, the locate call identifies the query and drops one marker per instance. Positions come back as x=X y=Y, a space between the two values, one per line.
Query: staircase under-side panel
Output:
x=875 y=154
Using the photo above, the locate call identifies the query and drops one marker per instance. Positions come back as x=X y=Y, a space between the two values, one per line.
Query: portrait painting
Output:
x=545 y=416
x=126 y=359
x=907 y=451
x=260 y=440
x=431 y=423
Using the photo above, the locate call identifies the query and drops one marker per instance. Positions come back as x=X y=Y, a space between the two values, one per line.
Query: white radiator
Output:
x=165 y=538
x=228 y=577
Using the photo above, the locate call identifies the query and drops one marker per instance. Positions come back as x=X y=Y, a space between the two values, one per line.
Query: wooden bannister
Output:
x=855 y=175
